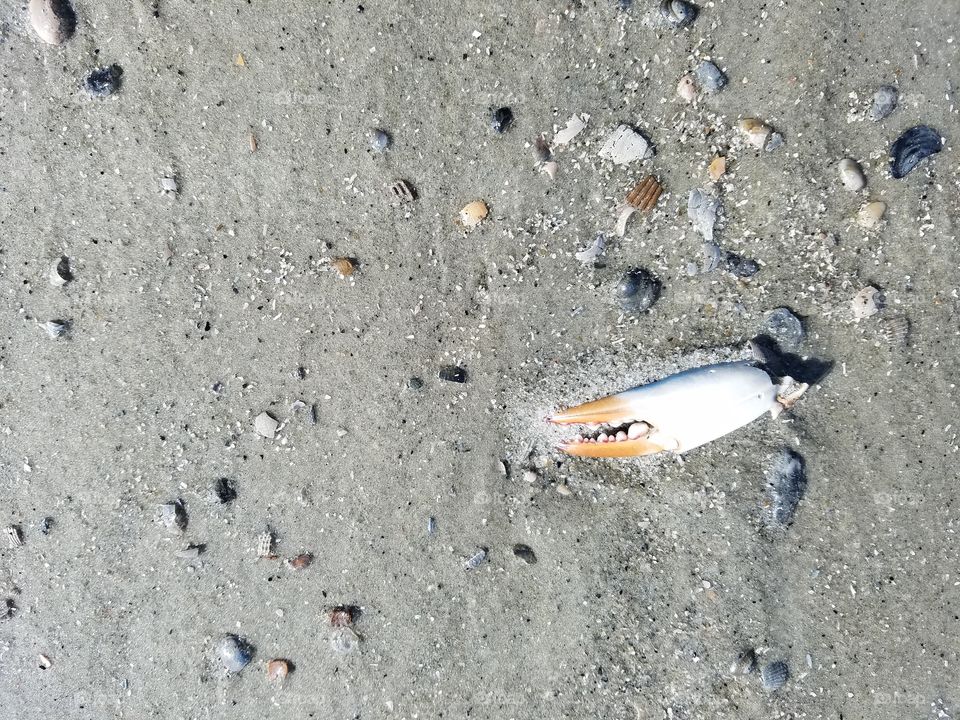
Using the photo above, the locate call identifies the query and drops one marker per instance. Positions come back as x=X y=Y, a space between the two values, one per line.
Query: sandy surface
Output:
x=651 y=574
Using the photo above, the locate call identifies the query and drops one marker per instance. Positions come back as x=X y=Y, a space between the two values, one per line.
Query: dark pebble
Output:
x=638 y=291
x=501 y=119
x=453 y=373
x=103 y=82
x=46 y=525
x=223 y=491
x=788 y=482
x=914 y=145
x=415 y=383
x=525 y=553
x=740 y=266
x=784 y=327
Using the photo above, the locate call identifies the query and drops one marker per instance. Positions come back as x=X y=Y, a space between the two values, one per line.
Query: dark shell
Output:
x=788 y=481
x=235 y=653
x=914 y=145
x=415 y=383
x=638 y=291
x=678 y=12
x=740 y=266
x=774 y=676
x=501 y=119
x=223 y=491
x=453 y=373
x=884 y=102
x=745 y=662
x=380 y=140
x=710 y=77
x=784 y=327
x=525 y=553
x=104 y=81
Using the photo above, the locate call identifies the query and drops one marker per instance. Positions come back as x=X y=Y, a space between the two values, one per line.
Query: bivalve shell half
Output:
x=912 y=147
x=473 y=214
x=687 y=88
x=871 y=214
x=773 y=676
x=53 y=20
x=756 y=132
x=645 y=195
x=866 y=303
x=851 y=175
x=60 y=273
x=678 y=13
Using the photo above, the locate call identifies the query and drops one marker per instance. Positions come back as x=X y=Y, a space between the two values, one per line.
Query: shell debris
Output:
x=60 y=274
x=173 y=516
x=711 y=78
x=717 y=167
x=475 y=560
x=687 y=88
x=678 y=13
x=56 y=328
x=773 y=676
x=401 y=192
x=266 y=425
x=235 y=653
x=344 y=266
x=474 y=213
x=786 y=486
x=871 y=215
x=625 y=145
x=851 y=175
x=575 y=125
x=866 y=303
x=14 y=536
x=895 y=330
x=54 y=21
x=589 y=255
x=265 y=545
x=645 y=194
x=883 y=103
x=702 y=210
x=278 y=669
x=301 y=561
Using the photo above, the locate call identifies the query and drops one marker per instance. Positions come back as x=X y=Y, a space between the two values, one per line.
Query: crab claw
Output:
x=677 y=413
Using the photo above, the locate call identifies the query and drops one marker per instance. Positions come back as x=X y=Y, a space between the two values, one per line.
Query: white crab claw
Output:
x=678 y=413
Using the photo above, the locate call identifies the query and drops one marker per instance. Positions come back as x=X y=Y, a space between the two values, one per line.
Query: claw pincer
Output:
x=678 y=413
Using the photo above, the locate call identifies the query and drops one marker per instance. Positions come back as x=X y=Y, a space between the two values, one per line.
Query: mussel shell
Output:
x=917 y=143
x=235 y=653
x=103 y=81
x=678 y=12
x=501 y=119
x=638 y=291
x=774 y=675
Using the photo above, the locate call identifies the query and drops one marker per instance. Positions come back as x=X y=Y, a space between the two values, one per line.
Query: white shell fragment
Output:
x=265 y=544
x=473 y=214
x=60 y=272
x=344 y=641
x=624 y=146
x=14 y=536
x=56 y=328
x=687 y=88
x=53 y=20
x=475 y=560
x=851 y=175
x=169 y=184
x=173 y=516
x=866 y=303
x=575 y=125
x=590 y=255
x=266 y=425
x=235 y=653
x=756 y=132
x=774 y=675
x=871 y=214
x=702 y=209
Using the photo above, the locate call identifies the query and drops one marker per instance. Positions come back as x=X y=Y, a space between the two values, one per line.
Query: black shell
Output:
x=638 y=291
x=104 y=81
x=501 y=119
x=678 y=13
x=917 y=143
x=452 y=373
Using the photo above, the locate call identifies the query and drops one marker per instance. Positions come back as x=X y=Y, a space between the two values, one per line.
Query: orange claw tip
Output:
x=622 y=448
x=611 y=410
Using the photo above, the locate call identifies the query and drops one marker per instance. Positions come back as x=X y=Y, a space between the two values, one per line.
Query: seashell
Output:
x=637 y=291
x=104 y=81
x=784 y=327
x=525 y=553
x=431 y=526
x=380 y=140
x=7 y=609
x=344 y=266
x=625 y=145
x=235 y=653
x=550 y=168
x=773 y=142
x=452 y=373
x=871 y=214
x=475 y=560
x=344 y=641
x=895 y=330
x=343 y=615
x=542 y=149
x=645 y=195
x=173 y=516
x=301 y=561
x=223 y=491
x=678 y=13
x=252 y=141
x=60 y=273
x=169 y=184
x=756 y=132
x=914 y=145
x=851 y=175
x=14 y=536
x=44 y=662
x=266 y=425
x=278 y=669
x=575 y=125
x=867 y=303
x=687 y=88
x=712 y=257
x=773 y=676
x=56 y=328
x=46 y=525
x=710 y=77
x=501 y=119
x=745 y=662
x=590 y=255
x=717 y=168
x=473 y=214
x=402 y=192
x=702 y=210
x=415 y=383
x=53 y=20
x=884 y=102
x=265 y=545
x=739 y=266
x=786 y=486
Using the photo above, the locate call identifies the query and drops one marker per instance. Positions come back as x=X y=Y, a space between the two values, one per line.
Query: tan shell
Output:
x=687 y=88
x=866 y=303
x=756 y=132
x=851 y=175
x=344 y=266
x=301 y=561
x=53 y=20
x=871 y=214
x=645 y=195
x=717 y=168
x=473 y=214
x=277 y=670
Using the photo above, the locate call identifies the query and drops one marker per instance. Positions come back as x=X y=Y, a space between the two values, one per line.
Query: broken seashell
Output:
x=56 y=328
x=277 y=670
x=60 y=272
x=501 y=119
x=44 y=662
x=702 y=210
x=645 y=195
x=590 y=255
x=638 y=291
x=717 y=167
x=745 y=662
x=475 y=560
x=739 y=266
x=104 y=81
x=173 y=516
x=344 y=266
x=344 y=641
x=542 y=148
x=265 y=545
x=343 y=615
x=687 y=88
x=525 y=553
x=575 y=125
x=756 y=132
x=866 y=303
x=235 y=653
x=625 y=145
x=402 y=192
x=884 y=102
x=895 y=329
x=266 y=425
x=871 y=214
x=14 y=536
x=784 y=327
x=452 y=373
x=54 y=21
x=223 y=491
x=786 y=486
x=851 y=175
x=301 y=561
x=678 y=13
x=473 y=214
x=773 y=142
x=710 y=77
x=550 y=168
x=911 y=147
x=379 y=140
x=7 y=608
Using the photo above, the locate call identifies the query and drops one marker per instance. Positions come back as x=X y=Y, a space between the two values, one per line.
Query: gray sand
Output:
x=652 y=573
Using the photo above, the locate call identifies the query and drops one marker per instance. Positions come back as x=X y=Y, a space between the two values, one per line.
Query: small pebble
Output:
x=786 y=486
x=851 y=175
x=525 y=553
x=266 y=425
x=774 y=675
x=884 y=102
x=380 y=140
x=56 y=328
x=301 y=561
x=784 y=327
x=104 y=81
x=564 y=490
x=415 y=383
x=501 y=119
x=235 y=653
x=475 y=560
x=710 y=77
x=637 y=291
x=530 y=476
x=717 y=168
x=277 y=670
x=740 y=266
x=687 y=88
x=452 y=373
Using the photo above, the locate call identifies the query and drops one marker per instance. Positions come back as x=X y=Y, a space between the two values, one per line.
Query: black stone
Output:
x=452 y=373
x=104 y=81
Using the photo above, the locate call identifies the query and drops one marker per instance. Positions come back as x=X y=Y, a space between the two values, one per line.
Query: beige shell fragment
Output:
x=717 y=168
x=866 y=303
x=851 y=175
x=871 y=214
x=473 y=214
x=550 y=168
x=575 y=125
x=266 y=425
x=756 y=132
x=624 y=145
x=344 y=266
x=53 y=20
x=687 y=88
